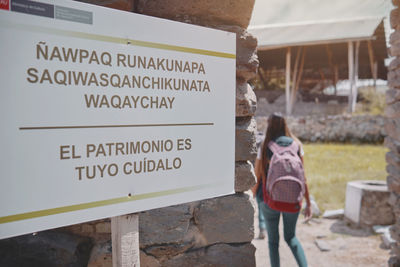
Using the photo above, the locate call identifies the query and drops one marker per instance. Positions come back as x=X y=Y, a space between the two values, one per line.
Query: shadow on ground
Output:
x=346 y=228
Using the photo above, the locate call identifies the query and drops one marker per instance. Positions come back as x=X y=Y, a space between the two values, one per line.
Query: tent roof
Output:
x=282 y=23
x=315 y=32
x=324 y=27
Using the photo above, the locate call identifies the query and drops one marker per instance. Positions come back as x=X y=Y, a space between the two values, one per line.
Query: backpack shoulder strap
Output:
x=275 y=148
x=294 y=147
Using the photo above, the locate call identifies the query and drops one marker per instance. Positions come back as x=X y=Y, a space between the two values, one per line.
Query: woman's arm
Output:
x=308 y=211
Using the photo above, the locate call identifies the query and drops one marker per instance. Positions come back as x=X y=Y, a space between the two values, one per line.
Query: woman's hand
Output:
x=258 y=175
x=308 y=212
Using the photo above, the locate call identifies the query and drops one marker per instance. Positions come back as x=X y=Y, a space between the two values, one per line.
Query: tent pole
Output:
x=294 y=79
x=350 y=55
x=336 y=71
x=287 y=80
x=297 y=81
x=375 y=75
x=372 y=62
x=355 y=90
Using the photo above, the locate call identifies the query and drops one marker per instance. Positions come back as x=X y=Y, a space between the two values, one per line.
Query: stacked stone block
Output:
x=392 y=127
x=213 y=232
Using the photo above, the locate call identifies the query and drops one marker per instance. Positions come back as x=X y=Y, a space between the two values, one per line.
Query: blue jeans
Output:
x=289 y=231
x=261 y=220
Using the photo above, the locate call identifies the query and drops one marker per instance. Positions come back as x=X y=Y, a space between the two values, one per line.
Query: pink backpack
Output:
x=285 y=181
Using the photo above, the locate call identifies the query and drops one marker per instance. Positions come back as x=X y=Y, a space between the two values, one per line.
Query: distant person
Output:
x=280 y=175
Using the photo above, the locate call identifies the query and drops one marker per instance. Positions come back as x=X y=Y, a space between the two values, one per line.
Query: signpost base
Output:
x=125 y=240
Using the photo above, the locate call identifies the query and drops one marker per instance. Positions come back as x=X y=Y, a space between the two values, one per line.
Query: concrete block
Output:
x=367 y=203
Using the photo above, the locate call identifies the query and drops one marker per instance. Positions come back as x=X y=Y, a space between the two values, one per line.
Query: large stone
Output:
x=393 y=110
x=395 y=232
x=392 y=127
x=394 y=64
x=246 y=148
x=101 y=255
x=246 y=53
x=396 y=250
x=165 y=225
x=48 y=248
x=393 y=183
x=394 y=262
x=394 y=201
x=220 y=255
x=226 y=219
x=395 y=18
x=246 y=100
x=126 y=5
x=246 y=56
x=395 y=38
x=333 y=214
x=222 y=12
x=395 y=50
x=394 y=83
x=245 y=177
x=99 y=230
x=394 y=77
x=392 y=96
x=103 y=227
x=393 y=158
x=167 y=251
x=393 y=145
x=148 y=260
x=322 y=245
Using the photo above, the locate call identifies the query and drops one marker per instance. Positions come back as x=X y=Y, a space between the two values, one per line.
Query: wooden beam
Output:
x=125 y=241
x=287 y=80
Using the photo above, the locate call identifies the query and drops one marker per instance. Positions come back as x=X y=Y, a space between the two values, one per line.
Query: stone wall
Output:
x=392 y=127
x=339 y=128
x=213 y=232
x=300 y=108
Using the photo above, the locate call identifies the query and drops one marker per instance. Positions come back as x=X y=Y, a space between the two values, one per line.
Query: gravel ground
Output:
x=348 y=246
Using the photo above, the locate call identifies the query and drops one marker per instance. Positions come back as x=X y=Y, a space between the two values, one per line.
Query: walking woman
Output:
x=280 y=177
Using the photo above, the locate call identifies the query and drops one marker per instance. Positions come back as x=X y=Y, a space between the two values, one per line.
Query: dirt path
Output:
x=348 y=247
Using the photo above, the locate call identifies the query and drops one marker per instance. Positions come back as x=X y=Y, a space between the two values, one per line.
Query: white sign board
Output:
x=106 y=113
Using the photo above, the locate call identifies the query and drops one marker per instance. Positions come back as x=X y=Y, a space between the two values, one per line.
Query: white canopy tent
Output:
x=288 y=23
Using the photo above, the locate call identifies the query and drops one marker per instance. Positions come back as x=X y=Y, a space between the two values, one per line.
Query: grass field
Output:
x=330 y=166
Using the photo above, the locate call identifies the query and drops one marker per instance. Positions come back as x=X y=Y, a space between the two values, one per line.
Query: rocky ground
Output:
x=347 y=246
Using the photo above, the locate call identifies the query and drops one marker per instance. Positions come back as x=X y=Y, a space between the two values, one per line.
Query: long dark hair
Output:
x=277 y=127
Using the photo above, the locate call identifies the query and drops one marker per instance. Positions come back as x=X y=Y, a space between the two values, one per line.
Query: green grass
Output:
x=329 y=167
